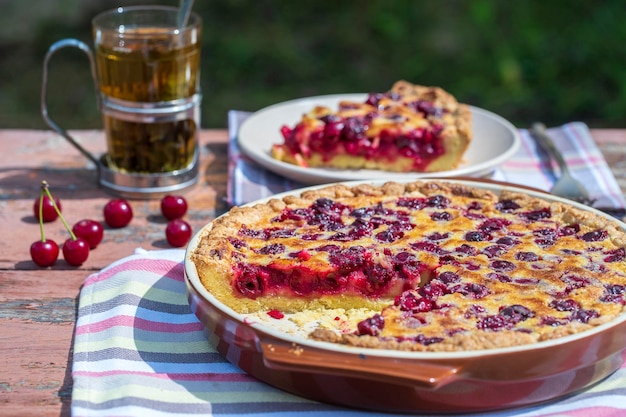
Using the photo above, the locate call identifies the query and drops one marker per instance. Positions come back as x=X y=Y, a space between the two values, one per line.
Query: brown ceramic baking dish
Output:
x=410 y=382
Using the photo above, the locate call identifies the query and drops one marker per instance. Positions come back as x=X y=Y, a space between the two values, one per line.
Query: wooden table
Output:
x=38 y=305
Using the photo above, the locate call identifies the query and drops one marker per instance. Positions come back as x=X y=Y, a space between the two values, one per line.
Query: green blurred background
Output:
x=528 y=60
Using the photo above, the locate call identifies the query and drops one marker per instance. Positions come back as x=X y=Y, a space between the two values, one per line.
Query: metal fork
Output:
x=566 y=186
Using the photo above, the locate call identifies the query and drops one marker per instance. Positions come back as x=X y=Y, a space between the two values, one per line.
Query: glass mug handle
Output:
x=65 y=43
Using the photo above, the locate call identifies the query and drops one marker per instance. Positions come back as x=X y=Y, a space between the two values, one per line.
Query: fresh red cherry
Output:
x=117 y=213
x=178 y=233
x=48 y=213
x=75 y=251
x=44 y=252
x=173 y=207
x=90 y=230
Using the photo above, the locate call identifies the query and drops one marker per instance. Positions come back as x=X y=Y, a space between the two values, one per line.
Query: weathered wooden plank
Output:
x=72 y=180
x=35 y=367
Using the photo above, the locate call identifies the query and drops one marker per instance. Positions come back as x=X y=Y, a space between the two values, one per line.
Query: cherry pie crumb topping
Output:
x=423 y=266
x=410 y=128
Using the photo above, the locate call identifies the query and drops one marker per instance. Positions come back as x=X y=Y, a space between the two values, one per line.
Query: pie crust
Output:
x=422 y=266
x=411 y=128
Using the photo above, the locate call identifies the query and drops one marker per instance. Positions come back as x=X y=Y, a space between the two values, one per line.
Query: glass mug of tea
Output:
x=147 y=75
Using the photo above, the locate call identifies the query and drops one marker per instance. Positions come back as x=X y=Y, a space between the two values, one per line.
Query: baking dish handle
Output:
x=305 y=359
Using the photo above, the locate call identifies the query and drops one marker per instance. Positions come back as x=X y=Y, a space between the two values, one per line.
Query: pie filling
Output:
x=331 y=134
x=445 y=267
x=337 y=262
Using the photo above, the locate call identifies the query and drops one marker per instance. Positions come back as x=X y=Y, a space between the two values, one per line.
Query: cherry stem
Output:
x=43 y=237
x=44 y=187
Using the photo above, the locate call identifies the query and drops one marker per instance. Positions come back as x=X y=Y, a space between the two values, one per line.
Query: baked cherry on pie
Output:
x=425 y=266
x=410 y=128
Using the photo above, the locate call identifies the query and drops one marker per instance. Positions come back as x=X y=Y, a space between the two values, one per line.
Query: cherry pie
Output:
x=424 y=266
x=410 y=128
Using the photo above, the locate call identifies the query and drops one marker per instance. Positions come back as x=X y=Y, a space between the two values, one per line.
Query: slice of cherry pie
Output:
x=410 y=128
x=432 y=266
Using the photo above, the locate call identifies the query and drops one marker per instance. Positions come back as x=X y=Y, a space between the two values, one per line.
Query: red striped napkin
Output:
x=140 y=351
x=529 y=166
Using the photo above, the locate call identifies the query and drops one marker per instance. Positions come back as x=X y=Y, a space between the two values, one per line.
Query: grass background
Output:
x=527 y=60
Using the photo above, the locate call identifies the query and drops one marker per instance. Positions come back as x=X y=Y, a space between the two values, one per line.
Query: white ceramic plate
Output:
x=494 y=141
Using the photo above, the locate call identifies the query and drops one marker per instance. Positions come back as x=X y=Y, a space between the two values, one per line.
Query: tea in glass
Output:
x=147 y=64
x=150 y=147
x=148 y=70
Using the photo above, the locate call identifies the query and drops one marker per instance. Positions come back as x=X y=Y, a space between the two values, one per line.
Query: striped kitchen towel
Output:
x=140 y=351
x=530 y=166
